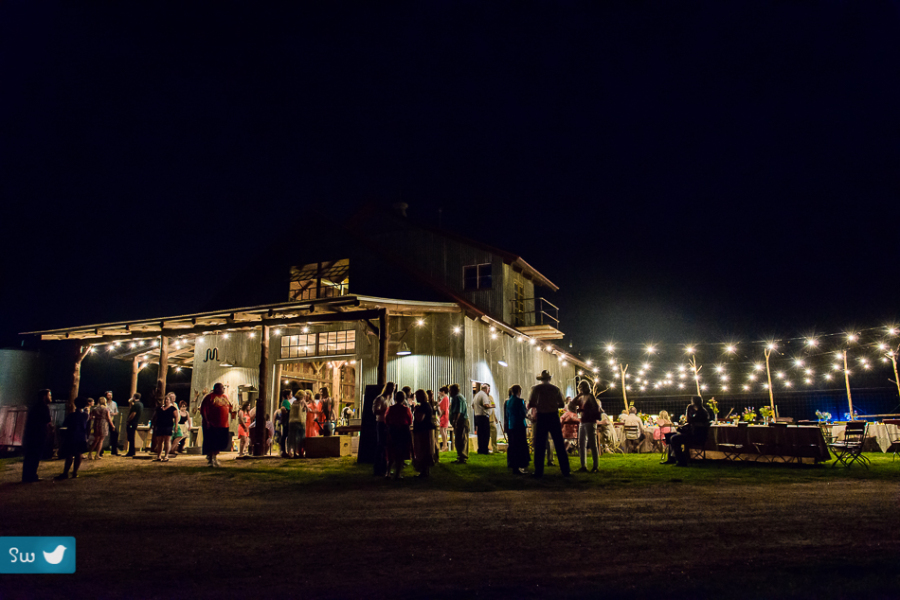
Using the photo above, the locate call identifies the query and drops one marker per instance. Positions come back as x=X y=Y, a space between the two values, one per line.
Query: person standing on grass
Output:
x=483 y=406
x=74 y=439
x=398 y=419
x=517 y=455
x=113 y=409
x=134 y=419
x=444 y=412
x=546 y=399
x=182 y=429
x=102 y=422
x=459 y=420
x=296 y=437
x=313 y=412
x=329 y=412
x=38 y=428
x=435 y=425
x=423 y=434
x=243 y=418
x=215 y=409
x=164 y=427
x=380 y=407
x=589 y=408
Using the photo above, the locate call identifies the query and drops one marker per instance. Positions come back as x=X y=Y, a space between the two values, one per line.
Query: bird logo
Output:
x=55 y=557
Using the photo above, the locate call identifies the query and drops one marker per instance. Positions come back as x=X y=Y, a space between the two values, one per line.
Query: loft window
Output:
x=320 y=280
x=478 y=277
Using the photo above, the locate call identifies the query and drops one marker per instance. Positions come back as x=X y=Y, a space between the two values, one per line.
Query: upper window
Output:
x=477 y=277
x=320 y=280
x=337 y=342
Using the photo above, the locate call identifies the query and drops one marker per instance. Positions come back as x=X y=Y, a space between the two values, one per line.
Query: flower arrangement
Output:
x=767 y=413
x=823 y=416
x=855 y=416
x=713 y=406
x=749 y=414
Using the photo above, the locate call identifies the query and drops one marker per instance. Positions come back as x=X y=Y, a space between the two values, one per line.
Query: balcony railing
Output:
x=528 y=312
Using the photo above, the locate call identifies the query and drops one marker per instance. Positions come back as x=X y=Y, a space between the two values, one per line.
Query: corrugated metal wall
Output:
x=240 y=350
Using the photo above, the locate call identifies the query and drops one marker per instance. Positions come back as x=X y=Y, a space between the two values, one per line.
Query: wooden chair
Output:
x=632 y=438
x=850 y=450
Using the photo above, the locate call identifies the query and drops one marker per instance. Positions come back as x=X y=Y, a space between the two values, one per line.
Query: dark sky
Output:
x=682 y=170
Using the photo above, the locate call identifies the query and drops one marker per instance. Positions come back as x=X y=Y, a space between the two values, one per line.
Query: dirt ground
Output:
x=151 y=530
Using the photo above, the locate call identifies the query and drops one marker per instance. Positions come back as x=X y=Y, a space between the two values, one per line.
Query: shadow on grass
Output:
x=489 y=474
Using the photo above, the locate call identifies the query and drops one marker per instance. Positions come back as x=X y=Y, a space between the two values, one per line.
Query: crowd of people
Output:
x=409 y=426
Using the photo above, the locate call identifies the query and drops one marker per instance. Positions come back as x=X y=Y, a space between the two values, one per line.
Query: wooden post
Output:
x=135 y=369
x=768 y=353
x=693 y=363
x=384 y=337
x=624 y=391
x=892 y=354
x=847 y=382
x=76 y=377
x=160 y=391
x=259 y=432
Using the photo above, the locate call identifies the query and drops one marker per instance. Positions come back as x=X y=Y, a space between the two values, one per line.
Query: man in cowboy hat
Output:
x=546 y=399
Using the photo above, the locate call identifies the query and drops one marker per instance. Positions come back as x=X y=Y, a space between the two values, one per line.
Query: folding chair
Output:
x=732 y=451
x=850 y=450
x=895 y=445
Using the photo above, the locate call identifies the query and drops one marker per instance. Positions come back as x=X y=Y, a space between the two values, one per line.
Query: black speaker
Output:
x=367 y=441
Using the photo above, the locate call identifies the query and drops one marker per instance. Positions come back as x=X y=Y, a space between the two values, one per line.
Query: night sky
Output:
x=684 y=171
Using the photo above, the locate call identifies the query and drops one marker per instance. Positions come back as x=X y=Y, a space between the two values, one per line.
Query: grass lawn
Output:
x=329 y=529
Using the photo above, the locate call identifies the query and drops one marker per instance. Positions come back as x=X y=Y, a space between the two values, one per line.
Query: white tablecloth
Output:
x=877 y=434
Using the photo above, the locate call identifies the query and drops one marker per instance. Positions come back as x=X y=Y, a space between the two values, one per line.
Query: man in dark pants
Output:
x=546 y=399
x=482 y=406
x=134 y=419
x=37 y=431
x=693 y=434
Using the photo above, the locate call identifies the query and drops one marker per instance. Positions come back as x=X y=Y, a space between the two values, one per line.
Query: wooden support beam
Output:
x=81 y=352
x=259 y=437
x=135 y=370
x=384 y=337
x=160 y=391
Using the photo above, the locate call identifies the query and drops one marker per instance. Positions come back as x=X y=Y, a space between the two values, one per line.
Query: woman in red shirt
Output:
x=243 y=418
x=313 y=414
x=444 y=409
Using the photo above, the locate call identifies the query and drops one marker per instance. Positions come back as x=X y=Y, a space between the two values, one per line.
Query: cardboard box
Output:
x=327 y=447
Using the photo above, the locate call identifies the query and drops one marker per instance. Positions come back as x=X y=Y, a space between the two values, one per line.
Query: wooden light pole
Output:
x=847 y=383
x=693 y=363
x=624 y=391
x=892 y=355
x=768 y=352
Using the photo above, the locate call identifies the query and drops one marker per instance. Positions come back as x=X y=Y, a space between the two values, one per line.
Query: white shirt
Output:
x=483 y=404
x=112 y=407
